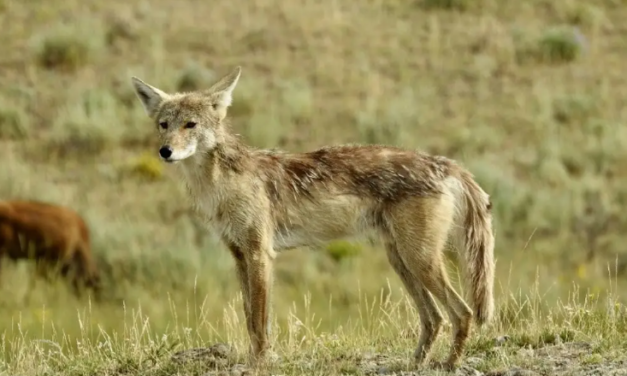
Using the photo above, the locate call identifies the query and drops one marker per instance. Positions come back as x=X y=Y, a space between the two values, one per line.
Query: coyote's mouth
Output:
x=169 y=155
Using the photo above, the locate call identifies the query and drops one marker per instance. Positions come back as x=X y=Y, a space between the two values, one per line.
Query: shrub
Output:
x=341 y=250
x=195 y=77
x=147 y=166
x=446 y=4
x=559 y=44
x=13 y=122
x=68 y=48
x=89 y=123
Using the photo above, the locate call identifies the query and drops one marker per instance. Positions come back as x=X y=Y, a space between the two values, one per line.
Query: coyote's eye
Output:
x=190 y=124
x=164 y=124
x=214 y=106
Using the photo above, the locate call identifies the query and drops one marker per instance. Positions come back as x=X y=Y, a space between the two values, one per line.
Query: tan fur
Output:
x=51 y=235
x=263 y=201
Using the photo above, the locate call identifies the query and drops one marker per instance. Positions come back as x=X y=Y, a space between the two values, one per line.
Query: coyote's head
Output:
x=188 y=122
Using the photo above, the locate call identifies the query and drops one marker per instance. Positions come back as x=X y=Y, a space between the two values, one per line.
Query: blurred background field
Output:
x=530 y=96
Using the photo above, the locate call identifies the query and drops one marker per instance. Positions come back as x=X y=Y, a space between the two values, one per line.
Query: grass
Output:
x=380 y=338
x=527 y=95
x=13 y=122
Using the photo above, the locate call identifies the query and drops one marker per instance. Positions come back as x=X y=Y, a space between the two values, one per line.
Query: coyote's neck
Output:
x=203 y=172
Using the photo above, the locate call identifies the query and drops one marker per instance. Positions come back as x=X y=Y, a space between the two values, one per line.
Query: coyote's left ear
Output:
x=150 y=96
x=223 y=89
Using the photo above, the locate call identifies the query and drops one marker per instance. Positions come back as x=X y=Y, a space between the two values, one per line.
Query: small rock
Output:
x=474 y=361
x=520 y=372
x=240 y=370
x=221 y=350
x=236 y=370
x=215 y=356
x=383 y=371
x=465 y=370
x=368 y=367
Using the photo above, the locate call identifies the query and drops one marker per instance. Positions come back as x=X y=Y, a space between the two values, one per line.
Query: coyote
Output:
x=263 y=201
x=51 y=235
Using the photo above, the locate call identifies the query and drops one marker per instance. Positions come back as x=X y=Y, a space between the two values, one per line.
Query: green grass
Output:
x=507 y=88
x=379 y=338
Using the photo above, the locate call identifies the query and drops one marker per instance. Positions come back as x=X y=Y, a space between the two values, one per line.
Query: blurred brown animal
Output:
x=53 y=236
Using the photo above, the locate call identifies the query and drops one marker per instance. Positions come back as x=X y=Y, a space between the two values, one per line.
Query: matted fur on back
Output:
x=383 y=173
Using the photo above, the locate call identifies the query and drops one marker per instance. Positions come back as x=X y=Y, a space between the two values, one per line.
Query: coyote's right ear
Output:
x=150 y=96
x=223 y=89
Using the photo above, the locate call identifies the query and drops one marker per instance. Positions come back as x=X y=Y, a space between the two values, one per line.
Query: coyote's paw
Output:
x=445 y=366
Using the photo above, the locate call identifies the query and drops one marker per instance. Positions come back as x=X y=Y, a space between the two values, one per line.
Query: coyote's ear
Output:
x=223 y=89
x=150 y=96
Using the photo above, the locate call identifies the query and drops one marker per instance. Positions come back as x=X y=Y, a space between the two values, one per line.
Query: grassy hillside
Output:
x=528 y=95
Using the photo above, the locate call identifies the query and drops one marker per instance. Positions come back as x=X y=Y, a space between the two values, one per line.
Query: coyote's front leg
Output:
x=242 y=275
x=259 y=270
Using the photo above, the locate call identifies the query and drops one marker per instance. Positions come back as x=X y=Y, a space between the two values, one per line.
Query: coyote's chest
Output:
x=203 y=196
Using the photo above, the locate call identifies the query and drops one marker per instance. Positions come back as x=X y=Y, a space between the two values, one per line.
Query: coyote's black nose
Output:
x=165 y=152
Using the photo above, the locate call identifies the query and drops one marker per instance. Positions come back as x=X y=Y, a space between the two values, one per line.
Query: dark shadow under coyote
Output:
x=263 y=201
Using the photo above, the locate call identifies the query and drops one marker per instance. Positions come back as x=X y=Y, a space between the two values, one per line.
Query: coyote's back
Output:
x=341 y=191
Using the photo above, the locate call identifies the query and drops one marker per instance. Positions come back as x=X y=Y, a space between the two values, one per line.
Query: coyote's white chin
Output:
x=177 y=156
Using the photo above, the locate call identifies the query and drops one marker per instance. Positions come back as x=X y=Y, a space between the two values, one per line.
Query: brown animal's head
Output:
x=90 y=281
x=93 y=281
x=188 y=123
x=95 y=284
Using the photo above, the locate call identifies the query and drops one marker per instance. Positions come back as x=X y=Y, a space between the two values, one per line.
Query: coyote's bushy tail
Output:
x=478 y=241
